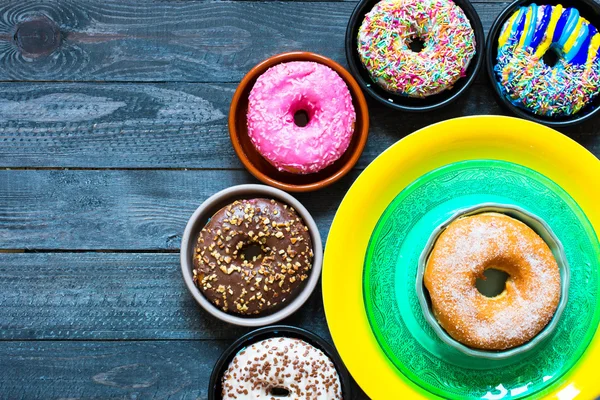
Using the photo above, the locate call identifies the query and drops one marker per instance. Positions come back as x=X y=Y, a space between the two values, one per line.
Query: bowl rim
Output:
x=228 y=195
x=491 y=48
x=555 y=246
x=361 y=109
x=278 y=331
x=354 y=24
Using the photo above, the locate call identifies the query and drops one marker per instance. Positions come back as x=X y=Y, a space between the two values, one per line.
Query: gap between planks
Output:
x=43 y=168
x=75 y=251
x=223 y=340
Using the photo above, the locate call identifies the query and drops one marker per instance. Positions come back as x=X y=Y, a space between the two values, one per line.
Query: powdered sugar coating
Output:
x=300 y=85
x=463 y=252
x=288 y=363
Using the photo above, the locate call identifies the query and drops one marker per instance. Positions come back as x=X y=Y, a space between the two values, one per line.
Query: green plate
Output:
x=391 y=266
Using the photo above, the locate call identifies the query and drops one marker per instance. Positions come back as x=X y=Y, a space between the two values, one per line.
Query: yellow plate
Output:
x=483 y=137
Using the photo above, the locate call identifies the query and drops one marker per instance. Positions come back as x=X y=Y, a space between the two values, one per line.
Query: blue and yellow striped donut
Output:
x=528 y=82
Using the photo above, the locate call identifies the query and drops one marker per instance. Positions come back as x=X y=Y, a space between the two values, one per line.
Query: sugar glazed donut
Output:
x=299 y=368
x=267 y=280
x=461 y=254
x=300 y=86
x=524 y=77
x=385 y=36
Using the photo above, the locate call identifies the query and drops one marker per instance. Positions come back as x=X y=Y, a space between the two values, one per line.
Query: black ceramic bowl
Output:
x=403 y=102
x=214 y=388
x=590 y=10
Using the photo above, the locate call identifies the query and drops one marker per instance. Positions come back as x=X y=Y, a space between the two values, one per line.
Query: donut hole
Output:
x=279 y=392
x=551 y=57
x=416 y=44
x=301 y=118
x=492 y=283
x=251 y=251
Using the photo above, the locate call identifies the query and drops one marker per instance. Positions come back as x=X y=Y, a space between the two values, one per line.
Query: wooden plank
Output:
x=174 y=369
x=131 y=369
x=118 y=125
x=87 y=125
x=110 y=296
x=118 y=40
x=120 y=210
x=115 y=125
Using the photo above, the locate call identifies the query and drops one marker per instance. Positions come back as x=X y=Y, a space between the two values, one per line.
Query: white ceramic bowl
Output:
x=199 y=220
x=543 y=230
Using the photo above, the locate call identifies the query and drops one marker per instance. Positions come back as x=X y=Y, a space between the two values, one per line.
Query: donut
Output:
x=248 y=286
x=284 y=364
x=387 y=31
x=461 y=254
x=523 y=76
x=300 y=86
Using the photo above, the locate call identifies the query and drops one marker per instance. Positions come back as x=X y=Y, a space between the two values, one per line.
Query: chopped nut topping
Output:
x=244 y=283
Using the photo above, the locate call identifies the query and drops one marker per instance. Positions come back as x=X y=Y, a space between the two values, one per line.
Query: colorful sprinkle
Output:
x=390 y=27
x=529 y=83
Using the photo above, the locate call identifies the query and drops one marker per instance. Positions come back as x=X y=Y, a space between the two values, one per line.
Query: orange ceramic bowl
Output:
x=261 y=168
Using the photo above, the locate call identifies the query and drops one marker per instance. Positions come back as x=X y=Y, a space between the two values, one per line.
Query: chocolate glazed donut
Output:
x=245 y=284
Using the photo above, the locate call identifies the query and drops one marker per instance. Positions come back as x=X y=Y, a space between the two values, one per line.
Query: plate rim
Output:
x=451 y=141
x=463 y=209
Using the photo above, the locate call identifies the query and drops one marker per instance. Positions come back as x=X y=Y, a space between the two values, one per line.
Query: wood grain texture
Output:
x=158 y=370
x=165 y=40
x=115 y=125
x=111 y=296
x=119 y=323
x=120 y=210
x=119 y=370
x=177 y=125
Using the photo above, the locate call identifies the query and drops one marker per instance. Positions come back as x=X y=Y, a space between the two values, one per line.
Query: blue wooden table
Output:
x=113 y=130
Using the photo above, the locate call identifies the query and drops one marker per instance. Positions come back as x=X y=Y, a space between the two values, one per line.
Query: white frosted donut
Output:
x=302 y=370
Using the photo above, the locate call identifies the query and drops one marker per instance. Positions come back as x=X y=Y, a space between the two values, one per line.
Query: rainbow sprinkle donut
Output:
x=524 y=77
x=387 y=31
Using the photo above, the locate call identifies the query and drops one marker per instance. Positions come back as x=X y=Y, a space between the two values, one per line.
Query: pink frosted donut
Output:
x=284 y=90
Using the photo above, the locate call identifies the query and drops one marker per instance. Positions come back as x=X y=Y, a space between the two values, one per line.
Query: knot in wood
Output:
x=37 y=37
